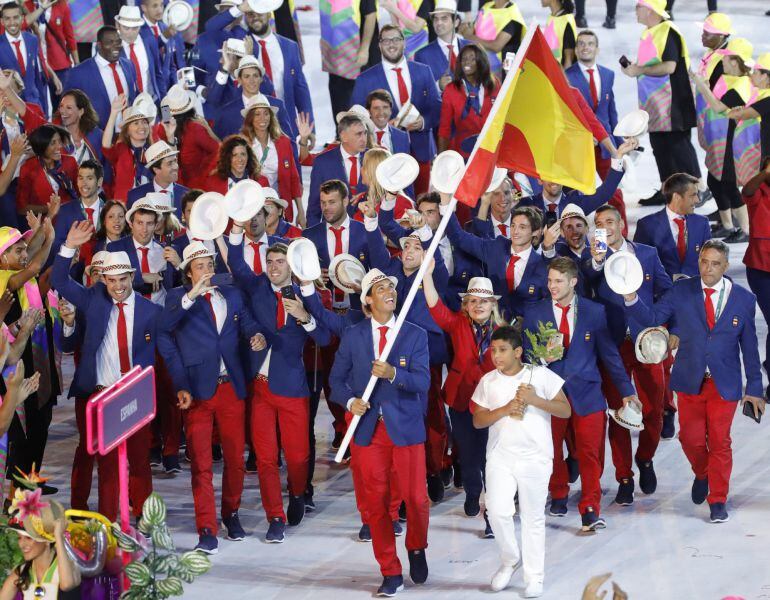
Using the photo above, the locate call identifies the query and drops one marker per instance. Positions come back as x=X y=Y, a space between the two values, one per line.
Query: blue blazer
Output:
x=157 y=76
x=191 y=346
x=656 y=281
x=494 y=255
x=654 y=230
x=606 y=111
x=97 y=304
x=327 y=165
x=403 y=402
x=140 y=192
x=336 y=323
x=171 y=52
x=400 y=142
x=126 y=244
x=590 y=342
x=221 y=94
x=35 y=86
x=228 y=119
x=69 y=213
x=589 y=203
x=433 y=56
x=86 y=77
x=425 y=97
x=717 y=350
x=357 y=245
x=296 y=93
x=286 y=372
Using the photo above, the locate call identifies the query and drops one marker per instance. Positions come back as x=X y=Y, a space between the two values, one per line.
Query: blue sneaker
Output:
x=625 y=495
x=558 y=507
x=591 y=521
x=488 y=533
x=171 y=464
x=700 y=489
x=276 y=533
x=418 y=566
x=719 y=513
x=365 y=534
x=648 y=481
x=235 y=531
x=471 y=506
x=669 y=428
x=398 y=529
x=296 y=511
x=391 y=585
x=207 y=542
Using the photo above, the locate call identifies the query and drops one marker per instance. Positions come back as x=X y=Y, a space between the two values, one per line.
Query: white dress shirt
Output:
x=722 y=287
x=597 y=79
x=22 y=47
x=144 y=62
x=331 y=239
x=167 y=190
x=276 y=61
x=108 y=80
x=346 y=163
x=157 y=265
x=496 y=226
x=672 y=223
x=81 y=152
x=108 y=356
x=376 y=333
x=446 y=253
x=219 y=304
x=521 y=264
x=237 y=239
x=557 y=312
x=624 y=247
x=97 y=206
x=310 y=326
x=392 y=77
x=445 y=47
x=270 y=162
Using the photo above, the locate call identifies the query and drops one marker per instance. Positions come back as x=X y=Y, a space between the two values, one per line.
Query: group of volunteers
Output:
x=164 y=202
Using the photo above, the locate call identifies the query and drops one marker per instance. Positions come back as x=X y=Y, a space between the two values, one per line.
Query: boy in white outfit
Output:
x=516 y=403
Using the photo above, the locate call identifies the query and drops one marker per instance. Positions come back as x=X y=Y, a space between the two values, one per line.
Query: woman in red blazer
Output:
x=466 y=101
x=60 y=43
x=471 y=333
x=49 y=172
x=126 y=156
x=235 y=161
x=273 y=151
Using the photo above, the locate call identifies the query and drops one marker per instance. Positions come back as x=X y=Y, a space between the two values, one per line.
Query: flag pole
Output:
x=437 y=235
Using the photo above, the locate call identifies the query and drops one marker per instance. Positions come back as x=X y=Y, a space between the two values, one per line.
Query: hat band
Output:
x=377 y=280
x=622 y=420
x=166 y=152
x=479 y=291
x=198 y=254
x=117 y=267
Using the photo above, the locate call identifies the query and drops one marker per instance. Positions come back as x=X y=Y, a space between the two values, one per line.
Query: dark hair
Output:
x=94 y=165
x=101 y=232
x=718 y=245
x=189 y=197
x=144 y=211
x=567 y=6
x=587 y=32
x=277 y=248
x=483 y=71
x=390 y=27
x=508 y=333
x=564 y=265
x=334 y=185
x=7 y=6
x=608 y=208
x=104 y=30
x=765 y=159
x=182 y=119
x=533 y=215
x=158 y=164
x=379 y=94
x=90 y=120
x=429 y=197
x=226 y=149
x=678 y=184
x=41 y=137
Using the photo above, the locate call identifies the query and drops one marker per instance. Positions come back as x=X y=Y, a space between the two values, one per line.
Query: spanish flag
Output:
x=535 y=127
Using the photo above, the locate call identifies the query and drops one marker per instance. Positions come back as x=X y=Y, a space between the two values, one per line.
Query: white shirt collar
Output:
x=345 y=223
x=101 y=62
x=623 y=246
x=672 y=215
x=161 y=189
x=585 y=68
x=346 y=155
x=399 y=65
x=137 y=245
x=524 y=254
x=129 y=301
x=18 y=38
x=262 y=240
x=571 y=302
x=716 y=287
x=495 y=222
x=376 y=324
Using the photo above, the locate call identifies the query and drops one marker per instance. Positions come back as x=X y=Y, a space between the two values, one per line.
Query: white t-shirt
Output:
x=527 y=438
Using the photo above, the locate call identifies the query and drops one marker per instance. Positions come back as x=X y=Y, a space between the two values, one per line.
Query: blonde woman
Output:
x=375 y=193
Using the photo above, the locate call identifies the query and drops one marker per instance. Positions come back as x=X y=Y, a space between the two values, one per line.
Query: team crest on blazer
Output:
x=147 y=337
x=588 y=336
x=531 y=290
x=735 y=321
x=285 y=164
x=647 y=277
x=402 y=362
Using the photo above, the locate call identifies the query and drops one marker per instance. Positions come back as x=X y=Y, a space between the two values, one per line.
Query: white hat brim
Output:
x=633 y=278
x=623 y=423
x=201 y=226
x=334 y=271
x=179 y=14
x=302 y=257
x=633 y=124
x=446 y=182
x=397 y=172
x=244 y=200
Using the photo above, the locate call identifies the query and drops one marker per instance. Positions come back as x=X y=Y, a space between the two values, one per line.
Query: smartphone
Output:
x=624 y=62
x=508 y=61
x=287 y=292
x=165 y=113
x=186 y=78
x=748 y=410
x=600 y=235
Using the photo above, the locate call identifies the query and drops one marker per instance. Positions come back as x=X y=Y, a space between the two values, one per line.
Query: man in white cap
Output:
x=144 y=57
x=441 y=53
x=390 y=433
x=163 y=162
x=567 y=237
x=120 y=333
x=166 y=37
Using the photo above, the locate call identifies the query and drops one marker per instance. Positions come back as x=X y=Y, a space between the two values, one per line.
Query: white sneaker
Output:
x=534 y=589
x=502 y=578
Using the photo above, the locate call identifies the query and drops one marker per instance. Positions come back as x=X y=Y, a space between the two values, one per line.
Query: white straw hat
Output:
x=302 y=257
x=345 y=272
x=193 y=250
x=623 y=273
x=651 y=345
x=397 y=172
x=208 y=217
x=372 y=278
x=481 y=287
x=244 y=200
x=117 y=263
x=447 y=171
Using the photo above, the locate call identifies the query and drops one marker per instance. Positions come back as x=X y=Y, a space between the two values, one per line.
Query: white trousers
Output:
x=505 y=476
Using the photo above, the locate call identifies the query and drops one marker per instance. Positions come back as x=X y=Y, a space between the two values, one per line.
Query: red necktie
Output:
x=681 y=242
x=503 y=230
x=383 y=339
x=280 y=314
x=145 y=266
x=89 y=214
x=452 y=57
x=125 y=360
x=403 y=93
x=509 y=272
x=552 y=207
x=710 y=315
x=135 y=62
x=20 y=58
x=564 y=324
x=207 y=296
x=256 y=264
x=339 y=295
x=116 y=77
x=155 y=31
x=353 y=176
x=592 y=86
x=265 y=59
x=379 y=135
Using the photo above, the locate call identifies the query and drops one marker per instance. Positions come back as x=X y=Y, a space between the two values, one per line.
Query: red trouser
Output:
x=589 y=448
x=649 y=382
x=668 y=394
x=435 y=425
x=292 y=416
x=82 y=463
x=704 y=432
x=169 y=416
x=226 y=410
x=375 y=463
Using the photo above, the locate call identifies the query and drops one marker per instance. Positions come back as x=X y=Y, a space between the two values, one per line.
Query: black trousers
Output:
x=340 y=90
x=725 y=192
x=612 y=6
x=674 y=153
x=711 y=5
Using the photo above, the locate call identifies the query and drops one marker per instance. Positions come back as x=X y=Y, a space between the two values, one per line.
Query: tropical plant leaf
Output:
x=171 y=586
x=154 y=509
x=197 y=562
x=162 y=539
x=138 y=573
x=125 y=541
